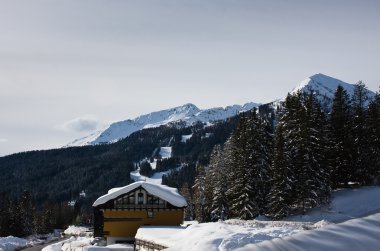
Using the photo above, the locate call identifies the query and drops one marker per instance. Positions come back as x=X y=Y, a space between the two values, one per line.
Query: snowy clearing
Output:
x=185 y=138
x=352 y=235
x=165 y=152
x=155 y=179
x=345 y=204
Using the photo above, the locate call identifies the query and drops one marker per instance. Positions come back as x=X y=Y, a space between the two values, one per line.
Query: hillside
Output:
x=61 y=174
x=185 y=115
x=188 y=114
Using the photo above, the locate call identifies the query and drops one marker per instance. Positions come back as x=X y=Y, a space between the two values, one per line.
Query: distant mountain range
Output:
x=188 y=114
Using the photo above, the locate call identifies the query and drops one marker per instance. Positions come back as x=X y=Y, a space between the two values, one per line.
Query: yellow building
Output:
x=119 y=213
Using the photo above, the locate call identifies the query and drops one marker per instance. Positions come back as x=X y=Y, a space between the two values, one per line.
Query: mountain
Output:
x=325 y=86
x=187 y=114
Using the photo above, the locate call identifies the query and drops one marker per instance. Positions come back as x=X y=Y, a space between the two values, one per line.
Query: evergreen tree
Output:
x=241 y=192
x=373 y=125
x=217 y=170
x=359 y=134
x=5 y=215
x=146 y=169
x=282 y=179
x=199 y=195
x=27 y=213
x=303 y=124
x=340 y=141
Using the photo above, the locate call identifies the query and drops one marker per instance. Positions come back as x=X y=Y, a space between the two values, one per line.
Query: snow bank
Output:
x=77 y=231
x=231 y=234
x=72 y=244
x=345 y=204
x=162 y=235
x=11 y=243
x=352 y=235
x=169 y=194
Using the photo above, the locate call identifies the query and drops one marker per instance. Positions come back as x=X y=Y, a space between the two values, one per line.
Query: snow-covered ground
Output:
x=352 y=235
x=185 y=138
x=155 y=179
x=237 y=234
x=165 y=152
x=71 y=244
x=11 y=243
x=78 y=231
x=345 y=204
x=231 y=234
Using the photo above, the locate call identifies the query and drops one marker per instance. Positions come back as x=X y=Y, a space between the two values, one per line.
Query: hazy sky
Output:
x=70 y=67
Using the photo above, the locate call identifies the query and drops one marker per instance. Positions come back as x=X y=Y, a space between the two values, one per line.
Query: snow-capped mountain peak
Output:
x=323 y=84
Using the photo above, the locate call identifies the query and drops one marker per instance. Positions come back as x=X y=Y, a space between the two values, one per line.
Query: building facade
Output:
x=119 y=214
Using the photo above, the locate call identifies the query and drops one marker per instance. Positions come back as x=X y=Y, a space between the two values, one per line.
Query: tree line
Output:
x=294 y=166
x=21 y=217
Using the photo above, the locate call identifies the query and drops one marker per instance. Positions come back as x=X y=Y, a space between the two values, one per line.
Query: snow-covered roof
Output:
x=166 y=193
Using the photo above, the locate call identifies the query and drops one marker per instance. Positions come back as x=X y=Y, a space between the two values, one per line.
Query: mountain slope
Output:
x=325 y=86
x=187 y=114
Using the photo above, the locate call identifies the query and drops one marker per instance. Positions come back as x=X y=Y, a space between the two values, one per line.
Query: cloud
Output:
x=2 y=140
x=82 y=124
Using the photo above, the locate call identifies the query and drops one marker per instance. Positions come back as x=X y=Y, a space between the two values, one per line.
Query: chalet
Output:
x=119 y=214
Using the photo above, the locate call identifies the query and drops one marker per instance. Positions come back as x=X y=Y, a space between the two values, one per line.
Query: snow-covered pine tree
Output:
x=359 y=134
x=241 y=188
x=339 y=139
x=317 y=150
x=261 y=158
x=373 y=125
x=219 y=207
x=280 y=196
x=199 y=195
x=303 y=124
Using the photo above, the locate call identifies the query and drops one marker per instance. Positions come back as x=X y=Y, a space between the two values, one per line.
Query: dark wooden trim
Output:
x=121 y=219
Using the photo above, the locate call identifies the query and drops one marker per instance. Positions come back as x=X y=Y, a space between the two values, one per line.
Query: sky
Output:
x=70 y=67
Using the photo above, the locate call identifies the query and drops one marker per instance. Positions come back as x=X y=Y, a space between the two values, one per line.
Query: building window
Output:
x=140 y=198
x=150 y=213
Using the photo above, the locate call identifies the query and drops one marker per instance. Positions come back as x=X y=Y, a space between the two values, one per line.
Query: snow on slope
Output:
x=352 y=235
x=165 y=152
x=187 y=113
x=325 y=86
x=345 y=204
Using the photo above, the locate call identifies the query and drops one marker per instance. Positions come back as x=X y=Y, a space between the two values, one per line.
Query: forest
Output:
x=294 y=166
x=273 y=161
